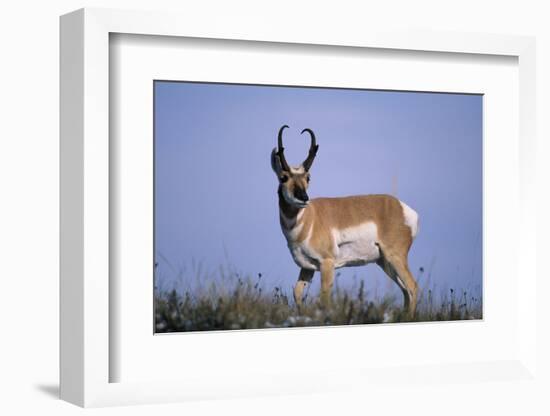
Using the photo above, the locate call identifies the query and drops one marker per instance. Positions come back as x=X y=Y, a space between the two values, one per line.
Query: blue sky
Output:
x=215 y=192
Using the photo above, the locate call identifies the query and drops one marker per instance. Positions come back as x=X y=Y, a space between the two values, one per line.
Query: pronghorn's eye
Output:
x=308 y=178
x=284 y=178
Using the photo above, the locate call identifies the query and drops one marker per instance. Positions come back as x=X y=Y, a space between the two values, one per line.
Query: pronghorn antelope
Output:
x=324 y=234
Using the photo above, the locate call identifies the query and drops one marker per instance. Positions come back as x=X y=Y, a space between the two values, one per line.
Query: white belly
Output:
x=356 y=246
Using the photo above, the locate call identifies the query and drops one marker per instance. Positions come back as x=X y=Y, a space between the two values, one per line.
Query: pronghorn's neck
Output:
x=285 y=208
x=290 y=216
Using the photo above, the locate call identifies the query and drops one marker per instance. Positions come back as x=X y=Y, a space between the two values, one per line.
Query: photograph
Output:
x=281 y=206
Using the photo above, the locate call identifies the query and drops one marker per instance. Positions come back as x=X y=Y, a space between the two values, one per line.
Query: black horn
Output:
x=281 y=150
x=312 y=150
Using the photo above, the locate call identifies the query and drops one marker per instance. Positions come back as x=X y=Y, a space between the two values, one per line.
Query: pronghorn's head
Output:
x=293 y=181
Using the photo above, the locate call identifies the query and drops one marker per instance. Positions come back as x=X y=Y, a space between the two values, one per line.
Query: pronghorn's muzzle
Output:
x=301 y=195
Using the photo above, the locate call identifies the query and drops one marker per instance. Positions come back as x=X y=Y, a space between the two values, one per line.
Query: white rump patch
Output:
x=411 y=218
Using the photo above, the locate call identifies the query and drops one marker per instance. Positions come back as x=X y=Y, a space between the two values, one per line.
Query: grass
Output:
x=243 y=304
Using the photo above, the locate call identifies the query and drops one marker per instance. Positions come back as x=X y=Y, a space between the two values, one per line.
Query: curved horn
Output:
x=281 y=150
x=312 y=150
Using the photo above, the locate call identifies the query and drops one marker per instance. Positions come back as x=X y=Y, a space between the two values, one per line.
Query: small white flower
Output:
x=291 y=320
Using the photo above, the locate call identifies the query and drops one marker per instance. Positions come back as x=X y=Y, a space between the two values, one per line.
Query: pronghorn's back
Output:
x=351 y=210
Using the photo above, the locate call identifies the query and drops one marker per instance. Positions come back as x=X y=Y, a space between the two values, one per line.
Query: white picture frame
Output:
x=85 y=220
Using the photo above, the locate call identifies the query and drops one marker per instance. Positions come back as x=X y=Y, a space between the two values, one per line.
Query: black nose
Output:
x=301 y=195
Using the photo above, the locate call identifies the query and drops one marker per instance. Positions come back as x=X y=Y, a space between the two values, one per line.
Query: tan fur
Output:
x=313 y=224
x=385 y=211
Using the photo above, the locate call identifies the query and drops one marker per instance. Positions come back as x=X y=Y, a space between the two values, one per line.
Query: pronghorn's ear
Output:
x=276 y=163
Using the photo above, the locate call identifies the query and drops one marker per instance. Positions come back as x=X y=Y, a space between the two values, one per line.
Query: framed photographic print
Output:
x=234 y=250
x=265 y=198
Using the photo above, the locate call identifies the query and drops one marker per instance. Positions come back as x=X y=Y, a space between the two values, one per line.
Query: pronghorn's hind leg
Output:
x=395 y=265
x=303 y=280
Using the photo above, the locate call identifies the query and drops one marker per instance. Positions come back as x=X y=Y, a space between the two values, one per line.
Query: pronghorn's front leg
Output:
x=327 y=279
x=303 y=280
